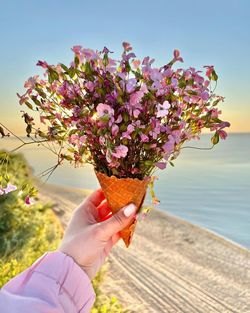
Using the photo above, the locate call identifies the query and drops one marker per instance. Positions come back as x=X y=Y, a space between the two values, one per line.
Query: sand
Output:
x=171 y=265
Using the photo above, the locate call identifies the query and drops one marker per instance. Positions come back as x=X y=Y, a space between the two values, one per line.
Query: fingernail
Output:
x=129 y=210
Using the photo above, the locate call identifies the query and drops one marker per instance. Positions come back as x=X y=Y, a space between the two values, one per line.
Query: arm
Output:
x=54 y=283
x=60 y=282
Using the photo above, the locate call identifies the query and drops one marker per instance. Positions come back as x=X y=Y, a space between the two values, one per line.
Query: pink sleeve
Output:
x=53 y=284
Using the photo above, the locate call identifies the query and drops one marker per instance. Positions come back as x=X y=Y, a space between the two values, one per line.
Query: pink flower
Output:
x=90 y=85
x=119 y=119
x=114 y=130
x=126 y=46
x=29 y=200
x=222 y=134
x=129 y=130
x=120 y=152
x=22 y=98
x=136 y=63
x=161 y=165
x=10 y=188
x=144 y=138
x=136 y=97
x=136 y=113
x=104 y=109
x=177 y=56
x=77 y=49
x=162 y=109
x=209 y=71
x=43 y=64
x=31 y=82
x=77 y=140
x=1 y=191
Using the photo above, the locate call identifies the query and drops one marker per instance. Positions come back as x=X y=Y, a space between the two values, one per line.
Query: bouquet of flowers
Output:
x=125 y=117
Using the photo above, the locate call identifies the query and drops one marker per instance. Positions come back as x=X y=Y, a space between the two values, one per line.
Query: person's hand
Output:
x=93 y=231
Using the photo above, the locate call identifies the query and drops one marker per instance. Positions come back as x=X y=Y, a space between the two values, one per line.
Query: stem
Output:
x=12 y=133
x=27 y=143
x=197 y=148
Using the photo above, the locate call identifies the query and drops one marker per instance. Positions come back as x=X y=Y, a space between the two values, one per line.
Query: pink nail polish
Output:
x=129 y=210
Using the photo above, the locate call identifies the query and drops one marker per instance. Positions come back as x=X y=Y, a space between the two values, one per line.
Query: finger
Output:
x=103 y=210
x=112 y=241
x=118 y=221
x=116 y=238
x=95 y=198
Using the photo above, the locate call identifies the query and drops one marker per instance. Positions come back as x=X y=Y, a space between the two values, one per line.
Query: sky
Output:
x=206 y=33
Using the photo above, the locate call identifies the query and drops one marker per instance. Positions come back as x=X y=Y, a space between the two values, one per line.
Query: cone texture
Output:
x=121 y=191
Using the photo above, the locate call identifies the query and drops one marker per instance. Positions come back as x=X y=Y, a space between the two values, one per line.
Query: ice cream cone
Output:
x=121 y=191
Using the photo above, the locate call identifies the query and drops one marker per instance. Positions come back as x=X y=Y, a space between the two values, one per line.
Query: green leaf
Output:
x=29 y=105
x=216 y=102
x=71 y=72
x=64 y=67
x=6 y=177
x=87 y=68
x=148 y=163
x=125 y=117
x=53 y=75
x=76 y=60
x=171 y=163
x=105 y=59
x=35 y=100
x=214 y=76
x=215 y=139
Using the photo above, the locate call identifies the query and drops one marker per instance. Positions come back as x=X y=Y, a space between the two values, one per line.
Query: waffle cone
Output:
x=121 y=191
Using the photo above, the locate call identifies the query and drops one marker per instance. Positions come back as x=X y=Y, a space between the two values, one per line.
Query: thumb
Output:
x=119 y=220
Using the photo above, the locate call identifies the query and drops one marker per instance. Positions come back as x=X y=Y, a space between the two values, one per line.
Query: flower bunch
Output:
x=125 y=117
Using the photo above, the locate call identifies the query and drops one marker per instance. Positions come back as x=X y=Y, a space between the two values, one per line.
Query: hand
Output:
x=93 y=231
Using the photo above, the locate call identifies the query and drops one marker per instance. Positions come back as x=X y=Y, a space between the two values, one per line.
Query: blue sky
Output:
x=207 y=33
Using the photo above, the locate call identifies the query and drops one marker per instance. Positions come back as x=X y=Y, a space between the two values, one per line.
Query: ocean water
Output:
x=208 y=188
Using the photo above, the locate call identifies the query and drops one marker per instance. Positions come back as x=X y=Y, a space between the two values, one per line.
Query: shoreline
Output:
x=209 y=231
x=172 y=265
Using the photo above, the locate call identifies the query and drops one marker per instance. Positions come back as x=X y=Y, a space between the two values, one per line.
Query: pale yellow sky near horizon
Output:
x=239 y=119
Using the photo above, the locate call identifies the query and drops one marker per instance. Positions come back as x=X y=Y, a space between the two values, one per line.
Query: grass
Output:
x=26 y=232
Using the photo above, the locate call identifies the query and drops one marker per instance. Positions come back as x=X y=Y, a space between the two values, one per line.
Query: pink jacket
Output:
x=53 y=284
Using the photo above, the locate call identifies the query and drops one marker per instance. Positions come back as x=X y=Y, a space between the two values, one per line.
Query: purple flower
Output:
x=127 y=46
x=120 y=152
x=168 y=147
x=162 y=109
x=131 y=84
x=10 y=188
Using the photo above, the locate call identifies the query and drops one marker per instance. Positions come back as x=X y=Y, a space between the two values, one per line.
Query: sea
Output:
x=209 y=188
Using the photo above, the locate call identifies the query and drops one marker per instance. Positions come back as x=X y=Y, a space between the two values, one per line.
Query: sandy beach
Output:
x=171 y=266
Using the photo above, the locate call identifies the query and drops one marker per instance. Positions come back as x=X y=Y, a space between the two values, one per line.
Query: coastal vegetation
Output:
x=28 y=231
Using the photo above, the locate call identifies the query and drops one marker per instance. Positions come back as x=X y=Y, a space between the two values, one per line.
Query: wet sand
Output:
x=171 y=265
